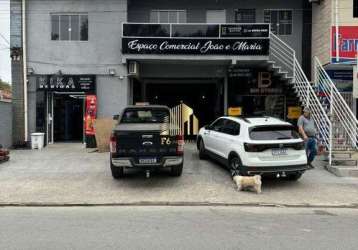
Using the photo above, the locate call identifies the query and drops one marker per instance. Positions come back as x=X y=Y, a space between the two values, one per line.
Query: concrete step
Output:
x=343 y=171
x=342 y=155
x=344 y=162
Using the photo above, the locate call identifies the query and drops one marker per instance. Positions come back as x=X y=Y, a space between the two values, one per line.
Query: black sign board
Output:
x=245 y=30
x=67 y=83
x=180 y=46
x=196 y=30
x=146 y=30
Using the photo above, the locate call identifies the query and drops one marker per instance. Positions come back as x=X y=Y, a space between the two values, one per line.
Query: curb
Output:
x=178 y=204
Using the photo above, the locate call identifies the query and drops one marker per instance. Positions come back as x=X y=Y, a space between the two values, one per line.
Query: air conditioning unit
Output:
x=133 y=68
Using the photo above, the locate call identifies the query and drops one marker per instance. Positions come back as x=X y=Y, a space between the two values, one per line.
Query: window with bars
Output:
x=245 y=16
x=281 y=21
x=69 y=27
x=355 y=8
x=168 y=16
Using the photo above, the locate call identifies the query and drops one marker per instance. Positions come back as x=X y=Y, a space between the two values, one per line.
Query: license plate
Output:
x=148 y=161
x=279 y=151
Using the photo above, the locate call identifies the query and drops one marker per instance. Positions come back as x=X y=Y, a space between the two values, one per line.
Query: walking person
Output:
x=307 y=130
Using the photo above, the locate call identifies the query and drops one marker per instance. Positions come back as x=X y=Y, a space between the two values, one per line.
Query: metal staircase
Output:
x=336 y=124
x=283 y=59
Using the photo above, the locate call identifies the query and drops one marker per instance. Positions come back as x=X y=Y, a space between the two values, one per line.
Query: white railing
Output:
x=345 y=124
x=283 y=56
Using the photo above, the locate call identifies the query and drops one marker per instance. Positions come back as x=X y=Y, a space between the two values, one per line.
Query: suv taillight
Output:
x=180 y=144
x=113 y=144
x=254 y=147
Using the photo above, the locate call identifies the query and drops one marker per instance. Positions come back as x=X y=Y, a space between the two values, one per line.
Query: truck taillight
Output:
x=180 y=142
x=113 y=144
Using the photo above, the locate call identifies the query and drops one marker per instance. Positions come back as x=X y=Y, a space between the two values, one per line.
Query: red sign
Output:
x=90 y=114
x=347 y=43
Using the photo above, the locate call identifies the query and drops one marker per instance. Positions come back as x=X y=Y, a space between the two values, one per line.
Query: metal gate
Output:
x=183 y=121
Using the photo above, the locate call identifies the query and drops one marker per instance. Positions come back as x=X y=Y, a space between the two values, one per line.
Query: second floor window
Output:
x=281 y=21
x=168 y=16
x=69 y=27
x=355 y=8
x=245 y=16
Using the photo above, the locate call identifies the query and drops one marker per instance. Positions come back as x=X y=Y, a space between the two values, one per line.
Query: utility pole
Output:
x=337 y=31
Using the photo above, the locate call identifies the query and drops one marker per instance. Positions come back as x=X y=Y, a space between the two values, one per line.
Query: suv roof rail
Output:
x=242 y=118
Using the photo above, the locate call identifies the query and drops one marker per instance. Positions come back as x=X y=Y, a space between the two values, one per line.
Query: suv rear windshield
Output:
x=273 y=133
x=145 y=116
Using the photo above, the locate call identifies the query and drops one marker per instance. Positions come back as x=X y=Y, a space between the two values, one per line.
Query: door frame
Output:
x=49 y=118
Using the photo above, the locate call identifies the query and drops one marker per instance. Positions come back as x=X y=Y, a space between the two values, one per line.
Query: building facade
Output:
x=88 y=58
x=337 y=48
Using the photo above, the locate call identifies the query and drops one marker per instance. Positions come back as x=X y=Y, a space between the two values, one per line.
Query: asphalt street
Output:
x=177 y=227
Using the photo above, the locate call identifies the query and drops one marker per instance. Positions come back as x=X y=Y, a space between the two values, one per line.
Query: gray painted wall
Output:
x=95 y=56
x=6 y=123
x=139 y=11
x=112 y=95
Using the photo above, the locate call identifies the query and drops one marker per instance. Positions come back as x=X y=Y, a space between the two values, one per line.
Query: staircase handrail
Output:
x=282 y=52
x=338 y=106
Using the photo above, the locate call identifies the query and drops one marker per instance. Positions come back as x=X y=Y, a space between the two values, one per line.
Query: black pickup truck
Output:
x=144 y=138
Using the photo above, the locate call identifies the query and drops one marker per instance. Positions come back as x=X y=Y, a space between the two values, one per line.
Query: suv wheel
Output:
x=176 y=171
x=235 y=166
x=294 y=177
x=202 y=151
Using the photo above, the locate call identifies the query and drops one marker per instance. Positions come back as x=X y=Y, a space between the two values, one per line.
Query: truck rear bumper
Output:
x=167 y=161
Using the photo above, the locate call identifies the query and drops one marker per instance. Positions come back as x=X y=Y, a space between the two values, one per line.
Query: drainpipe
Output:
x=337 y=31
x=24 y=53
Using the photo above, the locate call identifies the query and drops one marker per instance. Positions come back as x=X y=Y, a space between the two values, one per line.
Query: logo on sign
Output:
x=264 y=85
x=57 y=82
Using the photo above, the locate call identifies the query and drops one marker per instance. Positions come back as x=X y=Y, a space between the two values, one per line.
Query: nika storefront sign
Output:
x=67 y=83
x=347 y=44
x=196 y=39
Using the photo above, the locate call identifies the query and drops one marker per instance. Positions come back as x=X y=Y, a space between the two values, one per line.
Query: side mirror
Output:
x=115 y=117
x=207 y=127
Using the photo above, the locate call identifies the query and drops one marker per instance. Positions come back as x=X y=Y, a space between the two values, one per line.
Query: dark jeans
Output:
x=311 y=149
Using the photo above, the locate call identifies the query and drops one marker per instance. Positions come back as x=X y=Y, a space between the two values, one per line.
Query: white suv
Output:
x=256 y=145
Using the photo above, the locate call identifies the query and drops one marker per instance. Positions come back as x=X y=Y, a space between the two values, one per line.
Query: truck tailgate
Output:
x=145 y=143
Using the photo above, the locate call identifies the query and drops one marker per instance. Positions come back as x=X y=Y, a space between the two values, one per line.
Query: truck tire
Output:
x=176 y=171
x=117 y=172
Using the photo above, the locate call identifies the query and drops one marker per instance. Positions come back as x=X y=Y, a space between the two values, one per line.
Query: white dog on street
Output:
x=252 y=183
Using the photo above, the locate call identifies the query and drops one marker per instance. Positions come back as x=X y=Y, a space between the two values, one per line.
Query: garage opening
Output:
x=195 y=104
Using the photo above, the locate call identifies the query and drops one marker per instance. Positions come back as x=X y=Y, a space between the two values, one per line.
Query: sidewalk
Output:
x=66 y=174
